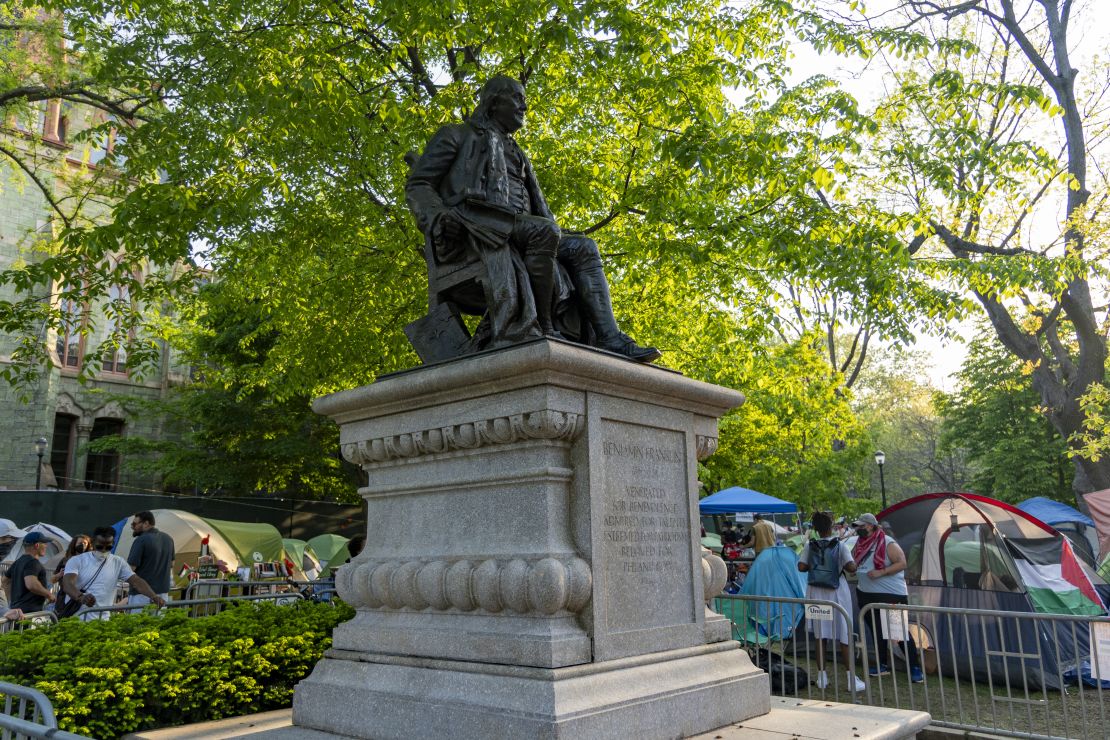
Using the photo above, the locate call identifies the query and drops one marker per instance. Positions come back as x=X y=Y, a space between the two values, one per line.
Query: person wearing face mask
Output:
x=880 y=569
x=91 y=577
x=79 y=544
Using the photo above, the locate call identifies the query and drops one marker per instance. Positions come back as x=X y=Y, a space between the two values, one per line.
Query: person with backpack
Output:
x=824 y=560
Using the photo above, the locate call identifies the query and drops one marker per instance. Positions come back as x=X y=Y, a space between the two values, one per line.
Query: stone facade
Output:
x=83 y=409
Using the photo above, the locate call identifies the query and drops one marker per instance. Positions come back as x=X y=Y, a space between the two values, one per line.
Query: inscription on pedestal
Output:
x=645 y=536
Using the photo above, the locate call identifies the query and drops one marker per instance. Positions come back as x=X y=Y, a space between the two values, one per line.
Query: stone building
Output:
x=67 y=413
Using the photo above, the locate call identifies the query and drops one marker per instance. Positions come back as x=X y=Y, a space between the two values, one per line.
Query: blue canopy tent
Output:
x=1072 y=523
x=736 y=499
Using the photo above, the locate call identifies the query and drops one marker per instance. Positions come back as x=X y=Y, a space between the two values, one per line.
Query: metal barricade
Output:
x=1006 y=673
x=28 y=713
x=776 y=633
x=223 y=589
x=30 y=621
x=197 y=607
x=1019 y=674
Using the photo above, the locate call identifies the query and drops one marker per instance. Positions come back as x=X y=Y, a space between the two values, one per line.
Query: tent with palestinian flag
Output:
x=966 y=551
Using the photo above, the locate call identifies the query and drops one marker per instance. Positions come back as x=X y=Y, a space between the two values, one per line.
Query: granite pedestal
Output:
x=532 y=566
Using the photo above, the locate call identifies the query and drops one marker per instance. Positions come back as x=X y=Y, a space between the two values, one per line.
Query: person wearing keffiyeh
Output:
x=881 y=567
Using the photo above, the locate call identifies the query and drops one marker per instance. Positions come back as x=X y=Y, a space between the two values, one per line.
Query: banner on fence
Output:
x=894 y=625
x=1100 y=650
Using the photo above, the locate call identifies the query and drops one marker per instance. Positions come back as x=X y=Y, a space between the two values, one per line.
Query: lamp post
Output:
x=40 y=450
x=880 y=460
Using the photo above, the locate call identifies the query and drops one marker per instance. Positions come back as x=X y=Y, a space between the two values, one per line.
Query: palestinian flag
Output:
x=1055 y=579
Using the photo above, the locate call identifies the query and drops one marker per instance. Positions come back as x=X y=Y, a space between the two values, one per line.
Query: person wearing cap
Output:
x=25 y=582
x=881 y=573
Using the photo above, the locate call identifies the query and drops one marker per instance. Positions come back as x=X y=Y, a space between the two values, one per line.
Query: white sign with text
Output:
x=819 y=612
x=1100 y=651
x=894 y=625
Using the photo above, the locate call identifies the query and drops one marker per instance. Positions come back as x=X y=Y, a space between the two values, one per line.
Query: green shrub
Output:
x=138 y=672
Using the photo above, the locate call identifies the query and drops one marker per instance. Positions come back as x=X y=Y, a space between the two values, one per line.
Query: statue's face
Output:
x=509 y=109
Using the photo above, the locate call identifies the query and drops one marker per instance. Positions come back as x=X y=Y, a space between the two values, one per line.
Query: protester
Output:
x=91 y=577
x=881 y=579
x=824 y=560
x=151 y=558
x=79 y=544
x=9 y=533
x=762 y=534
x=25 y=581
x=729 y=535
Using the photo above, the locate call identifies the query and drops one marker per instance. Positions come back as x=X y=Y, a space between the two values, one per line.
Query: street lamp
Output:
x=880 y=460
x=40 y=450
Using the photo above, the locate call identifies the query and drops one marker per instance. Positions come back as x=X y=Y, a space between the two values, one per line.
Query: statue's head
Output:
x=501 y=101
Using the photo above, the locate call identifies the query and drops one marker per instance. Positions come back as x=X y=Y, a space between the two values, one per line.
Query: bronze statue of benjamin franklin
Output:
x=473 y=192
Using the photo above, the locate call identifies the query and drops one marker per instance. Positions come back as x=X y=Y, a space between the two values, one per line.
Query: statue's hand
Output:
x=451 y=227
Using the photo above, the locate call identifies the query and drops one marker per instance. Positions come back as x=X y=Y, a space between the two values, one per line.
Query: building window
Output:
x=106 y=144
x=102 y=468
x=65 y=116
x=69 y=346
x=33 y=120
x=115 y=359
x=61 y=449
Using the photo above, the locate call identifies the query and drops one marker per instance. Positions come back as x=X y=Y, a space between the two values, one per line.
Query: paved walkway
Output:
x=789 y=719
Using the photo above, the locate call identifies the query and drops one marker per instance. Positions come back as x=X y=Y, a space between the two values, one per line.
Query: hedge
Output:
x=139 y=672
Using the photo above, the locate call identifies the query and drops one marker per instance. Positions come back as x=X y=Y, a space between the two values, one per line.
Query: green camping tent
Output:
x=305 y=563
x=331 y=549
x=254 y=542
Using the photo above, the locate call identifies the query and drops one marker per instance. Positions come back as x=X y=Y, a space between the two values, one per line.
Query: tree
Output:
x=795 y=437
x=988 y=136
x=898 y=406
x=277 y=159
x=67 y=112
x=997 y=419
x=229 y=435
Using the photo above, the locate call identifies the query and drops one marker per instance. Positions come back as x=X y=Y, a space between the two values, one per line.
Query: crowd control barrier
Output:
x=196 y=607
x=1003 y=673
x=774 y=632
x=30 y=621
x=1018 y=674
x=28 y=713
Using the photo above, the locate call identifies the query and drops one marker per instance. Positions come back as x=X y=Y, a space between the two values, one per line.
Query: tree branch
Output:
x=961 y=247
x=42 y=186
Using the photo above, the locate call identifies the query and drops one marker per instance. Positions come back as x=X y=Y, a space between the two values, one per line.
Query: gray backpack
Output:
x=824 y=565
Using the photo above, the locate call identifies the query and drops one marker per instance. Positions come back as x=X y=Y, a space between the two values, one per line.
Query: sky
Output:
x=864 y=81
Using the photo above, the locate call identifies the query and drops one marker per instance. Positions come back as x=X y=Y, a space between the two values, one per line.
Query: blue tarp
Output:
x=774 y=573
x=1053 y=512
x=737 y=499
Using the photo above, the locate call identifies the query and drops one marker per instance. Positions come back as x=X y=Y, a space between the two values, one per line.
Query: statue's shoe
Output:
x=551 y=333
x=623 y=344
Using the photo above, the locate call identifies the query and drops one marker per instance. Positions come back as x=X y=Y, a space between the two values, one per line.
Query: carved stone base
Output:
x=664 y=695
x=531 y=510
